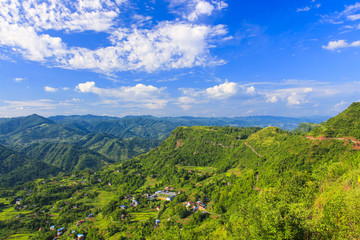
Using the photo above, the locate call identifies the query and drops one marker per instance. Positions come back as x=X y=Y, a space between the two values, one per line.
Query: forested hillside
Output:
x=345 y=124
x=224 y=183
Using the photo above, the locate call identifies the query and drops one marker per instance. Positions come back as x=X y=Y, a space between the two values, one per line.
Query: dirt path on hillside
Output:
x=248 y=145
x=322 y=138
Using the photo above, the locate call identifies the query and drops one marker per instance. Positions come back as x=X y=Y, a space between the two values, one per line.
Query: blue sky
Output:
x=179 y=57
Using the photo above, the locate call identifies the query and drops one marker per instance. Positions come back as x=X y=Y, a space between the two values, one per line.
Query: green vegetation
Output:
x=230 y=183
x=305 y=127
x=345 y=124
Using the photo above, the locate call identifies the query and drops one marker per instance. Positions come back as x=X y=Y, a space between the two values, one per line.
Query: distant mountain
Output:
x=34 y=128
x=305 y=127
x=160 y=128
x=345 y=124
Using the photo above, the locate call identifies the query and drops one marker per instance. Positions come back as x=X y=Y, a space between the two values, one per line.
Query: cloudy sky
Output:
x=179 y=57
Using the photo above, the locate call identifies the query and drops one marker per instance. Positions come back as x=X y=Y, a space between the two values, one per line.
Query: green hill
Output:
x=26 y=130
x=67 y=157
x=16 y=168
x=345 y=124
x=115 y=148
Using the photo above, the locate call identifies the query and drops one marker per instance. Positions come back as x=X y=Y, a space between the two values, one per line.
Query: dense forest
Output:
x=202 y=182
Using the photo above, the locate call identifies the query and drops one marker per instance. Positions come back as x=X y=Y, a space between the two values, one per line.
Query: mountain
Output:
x=34 y=128
x=16 y=168
x=159 y=128
x=345 y=124
x=305 y=127
x=67 y=157
x=115 y=148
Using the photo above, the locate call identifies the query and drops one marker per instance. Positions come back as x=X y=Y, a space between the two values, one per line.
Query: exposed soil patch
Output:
x=179 y=143
x=353 y=140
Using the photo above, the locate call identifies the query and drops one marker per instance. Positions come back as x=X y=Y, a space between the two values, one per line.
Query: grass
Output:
x=233 y=171
x=20 y=236
x=142 y=216
x=11 y=212
x=103 y=198
x=199 y=169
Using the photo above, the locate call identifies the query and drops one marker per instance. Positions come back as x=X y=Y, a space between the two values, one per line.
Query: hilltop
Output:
x=345 y=124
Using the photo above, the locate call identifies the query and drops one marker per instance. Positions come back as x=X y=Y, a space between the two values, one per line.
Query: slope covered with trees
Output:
x=345 y=124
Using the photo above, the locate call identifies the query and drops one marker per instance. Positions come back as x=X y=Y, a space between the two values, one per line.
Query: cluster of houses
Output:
x=194 y=206
x=134 y=203
x=164 y=194
x=62 y=229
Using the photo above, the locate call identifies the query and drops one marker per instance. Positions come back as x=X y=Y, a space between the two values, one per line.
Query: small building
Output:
x=18 y=201
x=135 y=203
x=80 y=236
x=123 y=207
x=52 y=228
x=157 y=222
x=80 y=222
x=158 y=208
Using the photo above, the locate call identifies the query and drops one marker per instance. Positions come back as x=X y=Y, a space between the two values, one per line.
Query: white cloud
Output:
x=354 y=17
x=193 y=9
x=21 y=105
x=202 y=8
x=167 y=45
x=144 y=95
x=292 y=96
x=50 y=89
x=170 y=45
x=222 y=91
x=186 y=102
x=340 y=106
x=78 y=15
x=333 y=45
x=19 y=79
x=305 y=9
x=351 y=13
x=251 y=90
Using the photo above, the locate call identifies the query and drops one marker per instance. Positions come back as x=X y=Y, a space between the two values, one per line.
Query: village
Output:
x=168 y=194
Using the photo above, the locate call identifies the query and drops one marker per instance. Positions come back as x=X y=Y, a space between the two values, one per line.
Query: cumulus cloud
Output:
x=251 y=90
x=193 y=9
x=333 y=45
x=170 y=45
x=144 y=95
x=222 y=91
x=50 y=89
x=78 y=15
x=166 y=45
x=292 y=96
